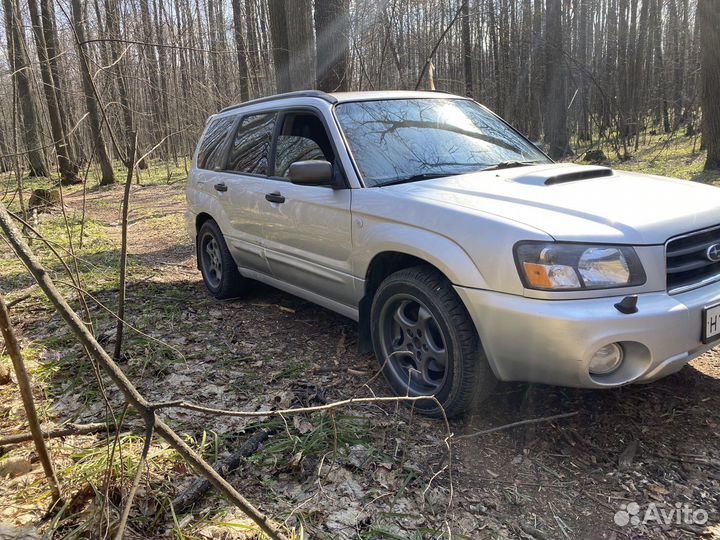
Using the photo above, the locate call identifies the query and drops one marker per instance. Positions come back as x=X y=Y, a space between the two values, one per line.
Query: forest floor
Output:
x=366 y=472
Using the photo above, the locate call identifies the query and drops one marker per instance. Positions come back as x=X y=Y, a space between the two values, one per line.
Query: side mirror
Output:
x=311 y=173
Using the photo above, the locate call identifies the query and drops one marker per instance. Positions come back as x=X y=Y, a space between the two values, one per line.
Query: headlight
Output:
x=566 y=266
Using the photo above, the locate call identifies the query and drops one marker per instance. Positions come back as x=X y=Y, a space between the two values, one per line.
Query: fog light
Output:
x=607 y=359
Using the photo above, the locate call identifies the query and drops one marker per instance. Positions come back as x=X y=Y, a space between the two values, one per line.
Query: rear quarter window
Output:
x=212 y=146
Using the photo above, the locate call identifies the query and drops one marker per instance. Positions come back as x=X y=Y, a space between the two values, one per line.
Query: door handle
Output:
x=275 y=197
x=220 y=187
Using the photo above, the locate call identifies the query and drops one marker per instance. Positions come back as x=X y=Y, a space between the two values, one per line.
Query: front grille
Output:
x=688 y=265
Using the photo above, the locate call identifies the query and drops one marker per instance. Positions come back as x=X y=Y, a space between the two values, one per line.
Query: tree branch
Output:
x=120 y=380
x=72 y=429
x=23 y=379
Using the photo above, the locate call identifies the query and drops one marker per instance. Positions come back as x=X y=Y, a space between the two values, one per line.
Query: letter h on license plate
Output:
x=711 y=324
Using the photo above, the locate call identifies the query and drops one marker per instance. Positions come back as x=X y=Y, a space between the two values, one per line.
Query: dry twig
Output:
x=517 y=424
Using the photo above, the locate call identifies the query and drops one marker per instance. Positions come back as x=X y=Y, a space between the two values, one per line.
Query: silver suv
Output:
x=465 y=254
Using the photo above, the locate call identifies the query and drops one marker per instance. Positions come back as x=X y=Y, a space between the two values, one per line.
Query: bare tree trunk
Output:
x=494 y=47
x=66 y=167
x=610 y=81
x=241 y=51
x=584 y=121
x=467 y=48
x=301 y=43
x=47 y=13
x=93 y=108
x=332 y=26
x=637 y=70
x=281 y=55
x=20 y=65
x=710 y=42
x=555 y=117
x=216 y=78
x=4 y=167
x=113 y=28
x=164 y=82
x=537 y=54
x=624 y=83
x=153 y=74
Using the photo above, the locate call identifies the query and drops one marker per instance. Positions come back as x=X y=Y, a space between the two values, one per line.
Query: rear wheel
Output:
x=427 y=344
x=217 y=266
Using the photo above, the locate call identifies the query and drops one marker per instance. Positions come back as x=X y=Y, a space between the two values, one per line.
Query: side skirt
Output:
x=347 y=311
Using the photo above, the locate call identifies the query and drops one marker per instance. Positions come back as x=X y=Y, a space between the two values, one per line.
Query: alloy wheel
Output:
x=211 y=260
x=413 y=345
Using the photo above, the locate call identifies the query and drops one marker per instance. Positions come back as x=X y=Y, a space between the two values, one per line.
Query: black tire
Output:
x=427 y=344
x=218 y=268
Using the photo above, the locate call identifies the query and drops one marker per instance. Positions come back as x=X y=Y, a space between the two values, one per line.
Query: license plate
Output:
x=711 y=324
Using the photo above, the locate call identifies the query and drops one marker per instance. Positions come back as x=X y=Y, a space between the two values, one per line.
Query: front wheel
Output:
x=217 y=266
x=427 y=344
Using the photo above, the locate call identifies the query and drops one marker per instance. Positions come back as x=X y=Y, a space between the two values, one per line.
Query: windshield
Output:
x=412 y=139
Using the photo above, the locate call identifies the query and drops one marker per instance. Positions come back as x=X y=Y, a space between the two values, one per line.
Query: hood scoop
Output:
x=585 y=174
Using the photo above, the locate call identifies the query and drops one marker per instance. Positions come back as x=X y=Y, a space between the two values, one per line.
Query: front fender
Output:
x=443 y=253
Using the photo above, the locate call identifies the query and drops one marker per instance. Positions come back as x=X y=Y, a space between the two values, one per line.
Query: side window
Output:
x=251 y=145
x=302 y=138
x=212 y=145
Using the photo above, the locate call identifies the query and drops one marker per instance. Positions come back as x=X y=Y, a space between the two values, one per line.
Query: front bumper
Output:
x=552 y=341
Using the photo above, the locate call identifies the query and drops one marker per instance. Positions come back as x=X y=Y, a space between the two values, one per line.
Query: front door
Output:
x=307 y=229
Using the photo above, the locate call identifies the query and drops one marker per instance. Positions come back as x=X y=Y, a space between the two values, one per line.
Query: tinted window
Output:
x=251 y=146
x=399 y=139
x=302 y=138
x=211 y=147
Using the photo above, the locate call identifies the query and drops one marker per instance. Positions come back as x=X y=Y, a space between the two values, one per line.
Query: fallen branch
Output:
x=118 y=377
x=70 y=429
x=516 y=424
x=15 y=302
x=180 y=404
x=200 y=486
x=23 y=380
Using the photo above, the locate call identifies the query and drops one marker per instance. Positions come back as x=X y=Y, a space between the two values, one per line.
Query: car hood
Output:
x=579 y=203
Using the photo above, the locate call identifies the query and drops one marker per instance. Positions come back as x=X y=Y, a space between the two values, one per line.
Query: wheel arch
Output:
x=200 y=219
x=389 y=261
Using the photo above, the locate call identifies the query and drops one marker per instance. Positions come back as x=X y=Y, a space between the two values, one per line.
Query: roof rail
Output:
x=299 y=93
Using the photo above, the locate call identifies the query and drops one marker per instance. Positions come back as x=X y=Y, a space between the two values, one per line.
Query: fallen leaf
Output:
x=303 y=425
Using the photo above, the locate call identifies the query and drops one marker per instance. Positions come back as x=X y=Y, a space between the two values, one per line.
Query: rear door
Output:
x=307 y=229
x=243 y=187
x=207 y=171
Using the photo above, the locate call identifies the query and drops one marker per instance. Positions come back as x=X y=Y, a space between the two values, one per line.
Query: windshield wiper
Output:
x=509 y=165
x=417 y=178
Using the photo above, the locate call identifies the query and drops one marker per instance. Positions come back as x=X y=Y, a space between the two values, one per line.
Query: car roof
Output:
x=389 y=94
x=342 y=97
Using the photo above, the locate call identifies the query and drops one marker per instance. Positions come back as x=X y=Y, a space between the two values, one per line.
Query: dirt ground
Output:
x=613 y=470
